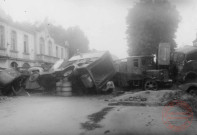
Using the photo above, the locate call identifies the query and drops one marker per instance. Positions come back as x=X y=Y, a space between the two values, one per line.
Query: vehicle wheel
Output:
x=150 y=85
x=193 y=91
x=17 y=90
x=190 y=78
x=6 y=91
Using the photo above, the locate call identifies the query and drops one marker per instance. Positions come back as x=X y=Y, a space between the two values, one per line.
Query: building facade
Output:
x=25 y=48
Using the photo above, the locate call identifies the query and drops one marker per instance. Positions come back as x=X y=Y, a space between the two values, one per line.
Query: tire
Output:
x=150 y=85
x=17 y=90
x=18 y=85
x=191 y=77
x=193 y=91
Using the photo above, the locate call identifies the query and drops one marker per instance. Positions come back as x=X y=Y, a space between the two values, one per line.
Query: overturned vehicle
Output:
x=40 y=80
x=84 y=73
x=21 y=81
x=88 y=72
x=12 y=81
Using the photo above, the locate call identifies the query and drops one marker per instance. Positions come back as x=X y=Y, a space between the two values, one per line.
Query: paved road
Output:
x=80 y=116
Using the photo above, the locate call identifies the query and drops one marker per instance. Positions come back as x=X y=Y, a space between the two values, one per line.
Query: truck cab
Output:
x=140 y=71
x=185 y=61
x=144 y=71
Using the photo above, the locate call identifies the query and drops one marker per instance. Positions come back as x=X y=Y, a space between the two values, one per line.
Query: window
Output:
x=42 y=46
x=13 y=40
x=56 y=51
x=147 y=61
x=50 y=48
x=62 y=53
x=135 y=62
x=2 y=36
x=26 y=46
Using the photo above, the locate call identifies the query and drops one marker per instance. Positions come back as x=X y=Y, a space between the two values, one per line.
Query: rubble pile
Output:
x=145 y=98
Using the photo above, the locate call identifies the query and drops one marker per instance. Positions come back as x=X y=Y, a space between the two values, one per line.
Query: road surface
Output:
x=89 y=115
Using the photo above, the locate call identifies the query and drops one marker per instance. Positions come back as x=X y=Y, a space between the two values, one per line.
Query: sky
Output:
x=103 y=21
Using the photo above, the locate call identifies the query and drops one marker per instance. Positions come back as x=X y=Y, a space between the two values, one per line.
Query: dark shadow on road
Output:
x=95 y=118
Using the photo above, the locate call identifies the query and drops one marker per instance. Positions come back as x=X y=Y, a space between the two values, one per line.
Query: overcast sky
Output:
x=103 y=21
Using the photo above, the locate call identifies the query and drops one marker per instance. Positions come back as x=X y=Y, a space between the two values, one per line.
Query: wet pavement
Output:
x=91 y=115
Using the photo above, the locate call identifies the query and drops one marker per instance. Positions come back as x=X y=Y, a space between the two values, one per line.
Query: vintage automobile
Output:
x=40 y=80
x=88 y=73
x=31 y=84
x=140 y=71
x=143 y=71
x=185 y=63
x=12 y=81
x=190 y=87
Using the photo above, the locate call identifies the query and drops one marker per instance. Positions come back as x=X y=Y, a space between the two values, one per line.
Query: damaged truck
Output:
x=143 y=71
x=89 y=72
x=179 y=66
x=185 y=62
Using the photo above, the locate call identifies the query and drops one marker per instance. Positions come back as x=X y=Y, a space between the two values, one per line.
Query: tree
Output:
x=77 y=40
x=150 y=22
x=75 y=37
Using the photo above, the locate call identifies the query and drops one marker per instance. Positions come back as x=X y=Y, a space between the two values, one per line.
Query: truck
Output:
x=144 y=71
x=88 y=72
x=184 y=61
x=178 y=66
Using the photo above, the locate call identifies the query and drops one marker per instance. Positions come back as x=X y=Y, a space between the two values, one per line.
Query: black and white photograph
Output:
x=98 y=67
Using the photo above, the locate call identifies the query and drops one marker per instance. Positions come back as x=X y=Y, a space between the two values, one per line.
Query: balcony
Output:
x=46 y=58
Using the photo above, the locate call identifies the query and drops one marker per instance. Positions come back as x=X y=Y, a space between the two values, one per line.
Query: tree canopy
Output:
x=149 y=23
x=77 y=40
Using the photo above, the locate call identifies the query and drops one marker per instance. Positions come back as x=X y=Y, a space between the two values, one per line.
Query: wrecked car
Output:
x=190 y=87
x=88 y=72
x=40 y=80
x=32 y=83
x=12 y=81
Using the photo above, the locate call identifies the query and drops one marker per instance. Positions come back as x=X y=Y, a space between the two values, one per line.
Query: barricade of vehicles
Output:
x=90 y=72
